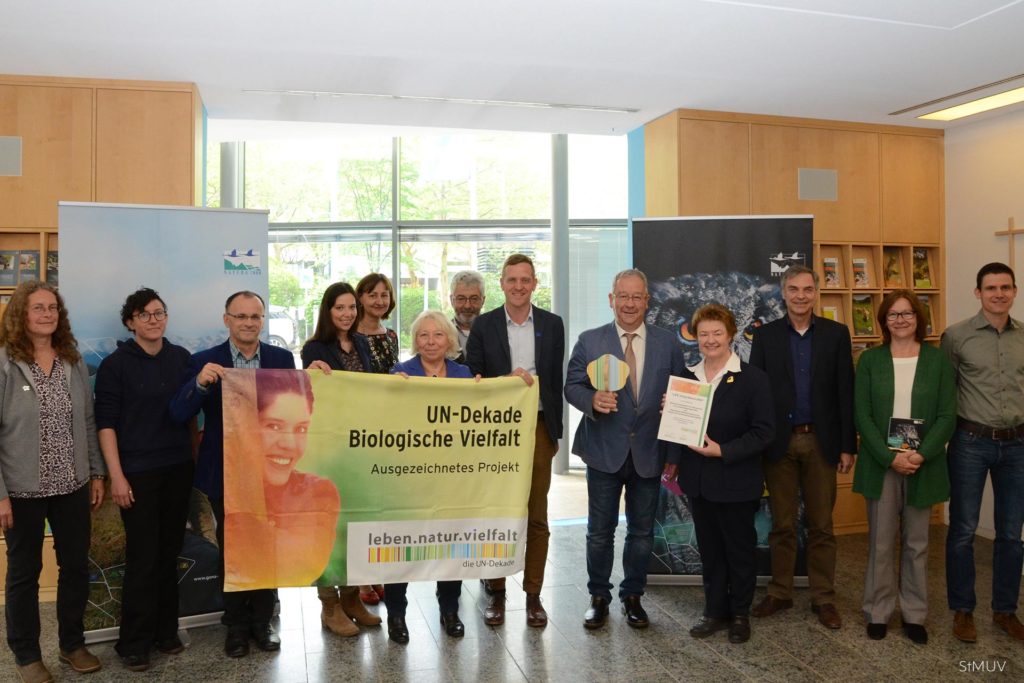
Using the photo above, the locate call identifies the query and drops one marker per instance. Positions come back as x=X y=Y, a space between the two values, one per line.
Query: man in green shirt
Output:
x=987 y=352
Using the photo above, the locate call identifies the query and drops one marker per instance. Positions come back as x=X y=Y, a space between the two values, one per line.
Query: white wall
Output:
x=984 y=187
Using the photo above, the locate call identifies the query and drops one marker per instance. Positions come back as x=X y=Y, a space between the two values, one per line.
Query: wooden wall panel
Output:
x=55 y=125
x=778 y=151
x=661 y=166
x=912 y=192
x=714 y=168
x=144 y=147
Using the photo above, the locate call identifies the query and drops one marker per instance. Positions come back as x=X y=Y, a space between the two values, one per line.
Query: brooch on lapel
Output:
x=26 y=388
x=729 y=379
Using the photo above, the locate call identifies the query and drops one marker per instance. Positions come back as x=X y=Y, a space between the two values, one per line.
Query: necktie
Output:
x=631 y=362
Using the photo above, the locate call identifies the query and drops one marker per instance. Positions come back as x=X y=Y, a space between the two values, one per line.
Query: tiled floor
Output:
x=789 y=647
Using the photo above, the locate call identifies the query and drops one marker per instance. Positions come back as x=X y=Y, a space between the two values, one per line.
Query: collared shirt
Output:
x=463 y=335
x=989 y=369
x=639 y=350
x=521 y=345
x=731 y=365
x=240 y=361
x=800 y=351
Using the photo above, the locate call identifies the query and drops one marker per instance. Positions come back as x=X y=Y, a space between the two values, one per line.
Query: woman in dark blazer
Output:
x=902 y=378
x=723 y=480
x=334 y=343
x=436 y=343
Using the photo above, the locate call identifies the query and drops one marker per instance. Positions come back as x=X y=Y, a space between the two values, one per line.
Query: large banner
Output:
x=735 y=261
x=194 y=258
x=353 y=478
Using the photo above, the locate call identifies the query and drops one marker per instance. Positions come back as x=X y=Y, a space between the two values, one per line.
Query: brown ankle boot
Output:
x=332 y=617
x=354 y=607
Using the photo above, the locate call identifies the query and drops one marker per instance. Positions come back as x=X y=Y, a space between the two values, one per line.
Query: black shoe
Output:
x=136 y=662
x=397 y=630
x=597 y=614
x=739 y=630
x=916 y=633
x=453 y=626
x=236 y=644
x=877 y=631
x=265 y=638
x=707 y=626
x=170 y=646
x=634 y=611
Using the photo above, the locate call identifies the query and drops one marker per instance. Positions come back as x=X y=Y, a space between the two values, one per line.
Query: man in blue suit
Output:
x=618 y=440
x=248 y=613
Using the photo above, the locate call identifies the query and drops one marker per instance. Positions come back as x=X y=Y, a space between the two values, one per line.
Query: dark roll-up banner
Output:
x=736 y=261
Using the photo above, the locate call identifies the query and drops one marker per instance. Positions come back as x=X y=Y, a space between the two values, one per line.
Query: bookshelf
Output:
x=24 y=255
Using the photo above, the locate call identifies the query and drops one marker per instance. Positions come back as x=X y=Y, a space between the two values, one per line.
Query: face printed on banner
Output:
x=284 y=424
x=343 y=312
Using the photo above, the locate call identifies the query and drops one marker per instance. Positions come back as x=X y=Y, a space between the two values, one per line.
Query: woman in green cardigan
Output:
x=902 y=378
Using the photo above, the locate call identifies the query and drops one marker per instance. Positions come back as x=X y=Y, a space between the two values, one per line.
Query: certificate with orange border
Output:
x=684 y=419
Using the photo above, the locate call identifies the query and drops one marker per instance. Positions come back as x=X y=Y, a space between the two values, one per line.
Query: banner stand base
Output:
x=697 y=580
x=104 y=635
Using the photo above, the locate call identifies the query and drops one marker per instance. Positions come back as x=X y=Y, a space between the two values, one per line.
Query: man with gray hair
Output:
x=467 y=297
x=618 y=440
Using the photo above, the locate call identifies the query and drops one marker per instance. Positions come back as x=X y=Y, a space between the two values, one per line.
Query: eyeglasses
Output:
x=39 y=309
x=627 y=298
x=144 y=316
x=242 y=317
x=893 y=316
x=463 y=300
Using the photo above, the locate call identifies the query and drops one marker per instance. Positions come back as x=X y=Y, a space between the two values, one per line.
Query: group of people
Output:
x=788 y=419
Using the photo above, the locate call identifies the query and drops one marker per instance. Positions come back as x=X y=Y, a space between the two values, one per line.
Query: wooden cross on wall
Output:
x=1011 y=231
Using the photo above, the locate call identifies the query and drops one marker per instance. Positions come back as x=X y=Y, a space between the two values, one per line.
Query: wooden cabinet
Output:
x=55 y=127
x=714 y=168
x=912 y=195
x=144 y=147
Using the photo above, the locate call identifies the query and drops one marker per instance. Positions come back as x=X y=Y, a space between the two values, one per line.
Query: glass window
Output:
x=475 y=176
x=598 y=176
x=430 y=256
x=303 y=181
x=304 y=262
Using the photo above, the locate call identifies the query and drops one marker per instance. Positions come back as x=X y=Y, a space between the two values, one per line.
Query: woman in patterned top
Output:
x=335 y=345
x=50 y=468
x=375 y=297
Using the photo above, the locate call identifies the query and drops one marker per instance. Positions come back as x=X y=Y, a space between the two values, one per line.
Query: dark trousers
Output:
x=154 y=527
x=537 y=532
x=70 y=523
x=603 y=493
x=242 y=609
x=727 y=541
x=448 y=593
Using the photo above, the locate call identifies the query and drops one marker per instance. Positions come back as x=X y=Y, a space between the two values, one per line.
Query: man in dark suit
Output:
x=522 y=340
x=809 y=362
x=618 y=440
x=248 y=613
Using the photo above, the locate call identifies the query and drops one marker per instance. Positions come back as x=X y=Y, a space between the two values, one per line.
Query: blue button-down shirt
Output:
x=800 y=351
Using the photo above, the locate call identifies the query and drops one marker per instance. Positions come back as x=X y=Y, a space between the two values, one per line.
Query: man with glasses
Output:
x=467 y=297
x=809 y=362
x=987 y=352
x=618 y=440
x=246 y=613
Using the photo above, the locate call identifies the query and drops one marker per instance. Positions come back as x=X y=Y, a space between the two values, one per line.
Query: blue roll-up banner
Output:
x=736 y=261
x=195 y=258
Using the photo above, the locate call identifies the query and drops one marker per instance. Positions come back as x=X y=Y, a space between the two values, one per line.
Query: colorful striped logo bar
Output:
x=445 y=551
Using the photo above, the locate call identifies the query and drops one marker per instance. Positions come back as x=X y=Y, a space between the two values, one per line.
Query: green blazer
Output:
x=933 y=399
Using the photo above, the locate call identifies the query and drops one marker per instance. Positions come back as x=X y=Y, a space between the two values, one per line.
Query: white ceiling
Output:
x=854 y=60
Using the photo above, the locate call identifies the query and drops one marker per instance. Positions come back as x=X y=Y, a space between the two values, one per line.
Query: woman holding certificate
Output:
x=899 y=384
x=723 y=479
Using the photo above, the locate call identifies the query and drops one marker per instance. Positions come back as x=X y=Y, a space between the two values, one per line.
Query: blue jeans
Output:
x=971 y=460
x=604 y=491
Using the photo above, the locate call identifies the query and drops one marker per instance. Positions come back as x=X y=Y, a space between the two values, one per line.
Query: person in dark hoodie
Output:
x=149 y=457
